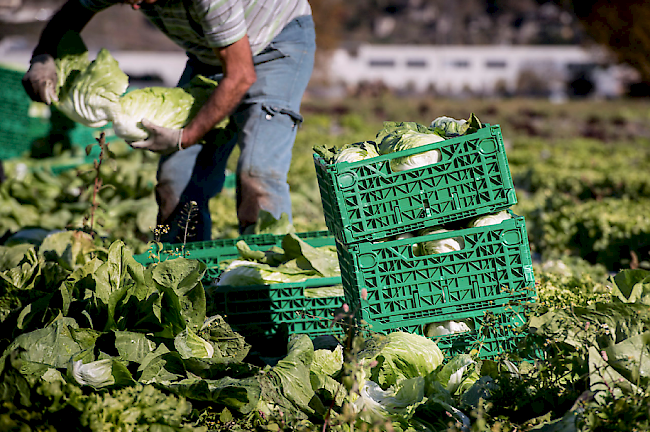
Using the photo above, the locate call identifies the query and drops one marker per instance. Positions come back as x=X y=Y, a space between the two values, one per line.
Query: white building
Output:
x=449 y=70
x=453 y=70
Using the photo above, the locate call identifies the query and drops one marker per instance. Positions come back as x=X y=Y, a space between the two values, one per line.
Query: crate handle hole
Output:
x=346 y=180
x=487 y=146
x=511 y=237
x=367 y=261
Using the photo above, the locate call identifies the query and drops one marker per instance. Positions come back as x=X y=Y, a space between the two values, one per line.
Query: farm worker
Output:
x=262 y=55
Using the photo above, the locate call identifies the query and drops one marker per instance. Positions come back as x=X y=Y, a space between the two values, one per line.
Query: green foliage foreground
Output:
x=92 y=340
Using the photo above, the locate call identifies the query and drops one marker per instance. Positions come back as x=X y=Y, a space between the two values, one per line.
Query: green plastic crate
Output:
x=215 y=251
x=262 y=311
x=494 y=331
x=18 y=130
x=365 y=200
x=494 y=269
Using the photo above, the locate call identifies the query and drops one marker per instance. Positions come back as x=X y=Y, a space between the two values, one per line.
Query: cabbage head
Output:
x=439 y=246
x=450 y=127
x=397 y=136
x=490 y=219
x=189 y=345
x=356 y=152
x=96 y=374
x=88 y=93
x=399 y=401
x=404 y=356
x=445 y=327
x=169 y=107
x=409 y=140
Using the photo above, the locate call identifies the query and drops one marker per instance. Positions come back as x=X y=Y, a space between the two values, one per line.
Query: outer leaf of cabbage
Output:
x=451 y=374
x=327 y=362
x=189 y=345
x=241 y=273
x=168 y=107
x=67 y=69
x=491 y=219
x=246 y=273
x=450 y=127
x=96 y=374
x=356 y=152
x=433 y=247
x=408 y=140
x=405 y=356
x=91 y=96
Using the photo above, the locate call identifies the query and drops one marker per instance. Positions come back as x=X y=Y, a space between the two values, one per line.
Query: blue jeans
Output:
x=264 y=126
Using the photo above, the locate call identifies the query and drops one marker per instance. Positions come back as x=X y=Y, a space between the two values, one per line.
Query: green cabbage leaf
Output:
x=438 y=246
x=490 y=219
x=88 y=93
x=398 y=136
x=169 y=107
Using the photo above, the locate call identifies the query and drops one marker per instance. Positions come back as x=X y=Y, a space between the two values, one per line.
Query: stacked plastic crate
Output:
x=261 y=311
x=485 y=284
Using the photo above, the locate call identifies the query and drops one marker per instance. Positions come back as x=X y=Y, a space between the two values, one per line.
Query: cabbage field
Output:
x=93 y=340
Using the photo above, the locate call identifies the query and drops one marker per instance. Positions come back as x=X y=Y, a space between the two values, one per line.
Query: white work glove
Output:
x=40 y=80
x=161 y=140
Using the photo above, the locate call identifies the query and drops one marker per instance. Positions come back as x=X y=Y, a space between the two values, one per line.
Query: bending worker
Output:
x=262 y=55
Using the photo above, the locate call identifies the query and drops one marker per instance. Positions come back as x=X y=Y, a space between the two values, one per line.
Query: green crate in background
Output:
x=215 y=251
x=262 y=310
x=389 y=287
x=365 y=200
x=19 y=130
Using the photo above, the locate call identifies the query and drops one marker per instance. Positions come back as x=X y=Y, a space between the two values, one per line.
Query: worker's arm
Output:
x=40 y=80
x=71 y=17
x=238 y=76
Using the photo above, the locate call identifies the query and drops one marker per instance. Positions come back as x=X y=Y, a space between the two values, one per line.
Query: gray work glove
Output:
x=161 y=140
x=40 y=80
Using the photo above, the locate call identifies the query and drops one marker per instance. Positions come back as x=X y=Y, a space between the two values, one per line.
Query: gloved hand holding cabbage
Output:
x=95 y=93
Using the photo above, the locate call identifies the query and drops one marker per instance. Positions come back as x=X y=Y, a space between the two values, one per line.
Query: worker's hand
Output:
x=40 y=80
x=161 y=140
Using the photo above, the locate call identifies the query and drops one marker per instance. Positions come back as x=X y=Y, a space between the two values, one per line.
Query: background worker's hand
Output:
x=40 y=80
x=161 y=140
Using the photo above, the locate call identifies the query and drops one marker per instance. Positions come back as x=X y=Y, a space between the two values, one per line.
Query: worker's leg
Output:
x=188 y=179
x=267 y=121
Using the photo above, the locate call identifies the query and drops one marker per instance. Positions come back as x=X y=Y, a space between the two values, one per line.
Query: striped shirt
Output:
x=198 y=26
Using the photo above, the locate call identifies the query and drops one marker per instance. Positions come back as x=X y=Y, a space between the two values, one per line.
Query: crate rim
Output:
x=494 y=130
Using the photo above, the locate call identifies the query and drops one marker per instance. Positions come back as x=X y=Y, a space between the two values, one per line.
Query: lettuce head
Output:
x=438 y=246
x=490 y=219
x=404 y=356
x=357 y=152
x=168 y=107
x=89 y=92
x=398 y=136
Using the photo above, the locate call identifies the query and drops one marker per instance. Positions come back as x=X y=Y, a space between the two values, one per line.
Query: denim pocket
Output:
x=270 y=53
x=267 y=138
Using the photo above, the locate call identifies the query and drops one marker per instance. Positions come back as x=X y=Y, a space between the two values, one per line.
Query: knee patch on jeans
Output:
x=256 y=193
